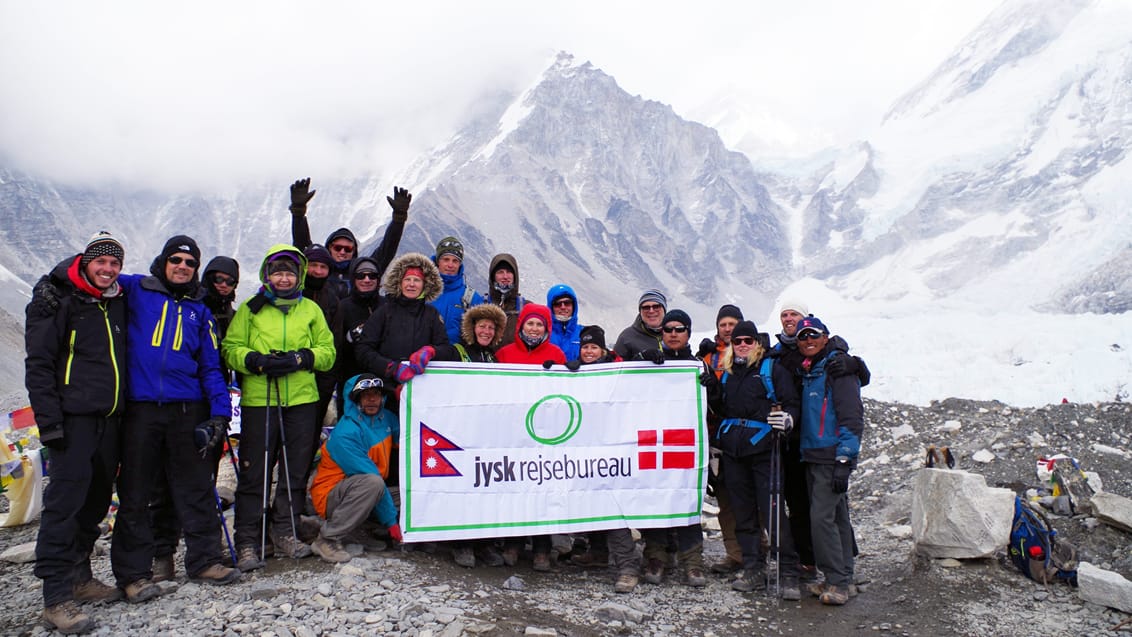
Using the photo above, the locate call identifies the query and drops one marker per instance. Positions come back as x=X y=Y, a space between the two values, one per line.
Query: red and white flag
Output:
x=675 y=447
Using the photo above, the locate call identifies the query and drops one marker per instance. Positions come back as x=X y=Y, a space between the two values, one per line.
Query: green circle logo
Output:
x=572 y=426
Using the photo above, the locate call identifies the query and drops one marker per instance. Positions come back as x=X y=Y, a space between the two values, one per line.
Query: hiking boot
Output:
x=217 y=574
x=93 y=590
x=164 y=569
x=591 y=559
x=726 y=566
x=247 y=560
x=542 y=562
x=510 y=555
x=807 y=573
x=626 y=582
x=835 y=596
x=816 y=588
x=66 y=618
x=330 y=550
x=489 y=556
x=141 y=590
x=750 y=580
x=694 y=576
x=464 y=556
x=654 y=571
x=788 y=587
x=291 y=546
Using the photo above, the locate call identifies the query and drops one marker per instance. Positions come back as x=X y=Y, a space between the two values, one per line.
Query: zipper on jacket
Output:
x=70 y=359
x=178 y=337
x=821 y=427
x=159 y=329
x=113 y=358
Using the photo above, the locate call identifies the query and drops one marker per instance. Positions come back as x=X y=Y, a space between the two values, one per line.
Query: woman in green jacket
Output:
x=276 y=341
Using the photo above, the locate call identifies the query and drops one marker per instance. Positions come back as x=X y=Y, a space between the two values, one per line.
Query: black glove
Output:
x=708 y=379
x=841 y=364
x=209 y=433
x=307 y=359
x=301 y=193
x=275 y=364
x=400 y=204
x=547 y=364
x=51 y=436
x=656 y=356
x=840 y=482
x=707 y=346
x=45 y=295
x=254 y=362
x=574 y=364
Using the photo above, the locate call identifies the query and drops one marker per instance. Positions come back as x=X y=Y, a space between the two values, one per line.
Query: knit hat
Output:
x=796 y=305
x=680 y=316
x=653 y=295
x=593 y=334
x=283 y=262
x=317 y=253
x=745 y=328
x=365 y=265
x=450 y=245
x=731 y=311
x=102 y=244
x=810 y=323
x=180 y=243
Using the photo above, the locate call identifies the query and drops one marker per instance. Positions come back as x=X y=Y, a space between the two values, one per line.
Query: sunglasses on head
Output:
x=651 y=307
x=220 y=279
x=809 y=335
x=342 y=247
x=679 y=329
x=176 y=260
x=742 y=340
x=368 y=383
x=365 y=275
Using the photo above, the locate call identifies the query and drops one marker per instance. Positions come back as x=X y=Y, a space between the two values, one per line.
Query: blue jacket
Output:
x=451 y=304
x=567 y=336
x=832 y=415
x=172 y=352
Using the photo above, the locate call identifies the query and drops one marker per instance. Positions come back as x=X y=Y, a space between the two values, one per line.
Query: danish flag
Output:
x=433 y=463
x=677 y=448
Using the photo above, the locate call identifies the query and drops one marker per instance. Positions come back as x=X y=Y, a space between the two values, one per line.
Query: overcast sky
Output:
x=207 y=95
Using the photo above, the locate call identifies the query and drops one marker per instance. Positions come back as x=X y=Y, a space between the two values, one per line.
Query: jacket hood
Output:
x=502 y=257
x=563 y=290
x=477 y=313
x=351 y=409
x=341 y=233
x=281 y=248
x=433 y=284
x=223 y=265
x=528 y=310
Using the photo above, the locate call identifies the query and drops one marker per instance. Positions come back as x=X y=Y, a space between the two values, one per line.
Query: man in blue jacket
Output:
x=565 y=332
x=457 y=296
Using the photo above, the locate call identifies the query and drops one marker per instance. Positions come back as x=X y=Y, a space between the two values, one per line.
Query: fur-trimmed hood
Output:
x=477 y=313
x=433 y=284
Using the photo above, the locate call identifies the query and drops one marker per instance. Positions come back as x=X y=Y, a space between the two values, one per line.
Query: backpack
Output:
x=1036 y=549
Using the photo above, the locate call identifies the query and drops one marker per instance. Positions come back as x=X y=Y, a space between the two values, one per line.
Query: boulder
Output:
x=19 y=554
x=1103 y=587
x=1112 y=509
x=955 y=514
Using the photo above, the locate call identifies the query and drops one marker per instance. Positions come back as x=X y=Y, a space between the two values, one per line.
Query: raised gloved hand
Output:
x=405 y=372
x=307 y=359
x=400 y=204
x=547 y=364
x=574 y=364
x=395 y=533
x=209 y=433
x=840 y=481
x=420 y=358
x=51 y=436
x=841 y=364
x=301 y=193
x=45 y=295
x=707 y=346
x=781 y=421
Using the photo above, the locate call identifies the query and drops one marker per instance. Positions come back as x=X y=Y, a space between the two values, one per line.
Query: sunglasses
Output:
x=368 y=383
x=562 y=303
x=809 y=336
x=339 y=247
x=176 y=260
x=742 y=340
x=365 y=275
x=220 y=279
x=679 y=329
x=652 y=307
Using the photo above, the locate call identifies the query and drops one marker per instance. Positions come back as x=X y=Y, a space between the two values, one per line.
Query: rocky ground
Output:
x=423 y=592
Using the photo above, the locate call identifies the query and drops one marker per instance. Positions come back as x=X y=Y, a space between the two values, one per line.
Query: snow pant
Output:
x=157 y=439
x=748 y=483
x=829 y=526
x=260 y=436
x=350 y=503
x=689 y=545
x=163 y=516
x=797 y=494
x=75 y=502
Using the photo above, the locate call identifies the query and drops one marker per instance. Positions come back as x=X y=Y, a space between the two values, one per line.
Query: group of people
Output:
x=129 y=375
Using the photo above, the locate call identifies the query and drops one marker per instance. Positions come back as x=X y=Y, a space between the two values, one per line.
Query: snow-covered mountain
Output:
x=988 y=213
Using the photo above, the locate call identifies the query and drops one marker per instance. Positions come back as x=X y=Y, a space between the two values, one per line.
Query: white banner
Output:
x=504 y=450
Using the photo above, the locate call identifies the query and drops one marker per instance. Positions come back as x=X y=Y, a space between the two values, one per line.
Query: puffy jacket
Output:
x=358 y=445
x=636 y=339
x=468 y=349
x=832 y=414
x=450 y=303
x=512 y=302
x=263 y=326
x=567 y=336
x=518 y=352
x=174 y=351
x=76 y=353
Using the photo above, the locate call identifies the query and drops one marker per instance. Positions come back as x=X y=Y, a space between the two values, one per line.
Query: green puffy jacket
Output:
x=262 y=326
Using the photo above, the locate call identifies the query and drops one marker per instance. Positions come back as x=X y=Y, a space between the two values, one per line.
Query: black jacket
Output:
x=353 y=312
x=744 y=396
x=396 y=329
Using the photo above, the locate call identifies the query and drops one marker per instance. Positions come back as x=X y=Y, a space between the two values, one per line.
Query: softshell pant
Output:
x=797 y=494
x=75 y=502
x=748 y=483
x=350 y=503
x=830 y=527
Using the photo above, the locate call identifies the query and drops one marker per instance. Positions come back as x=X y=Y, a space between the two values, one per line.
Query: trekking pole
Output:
x=224 y=525
x=286 y=464
x=774 y=524
x=266 y=483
